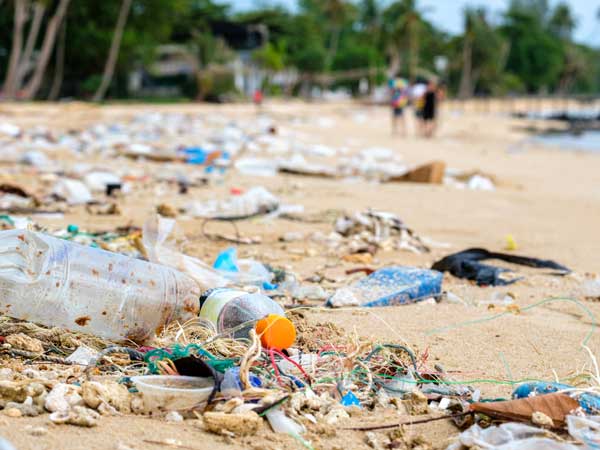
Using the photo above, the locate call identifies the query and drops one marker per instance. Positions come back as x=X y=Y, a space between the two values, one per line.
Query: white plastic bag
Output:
x=586 y=430
x=508 y=436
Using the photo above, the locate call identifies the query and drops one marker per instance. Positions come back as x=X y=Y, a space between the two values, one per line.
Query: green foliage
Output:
x=270 y=56
x=536 y=56
x=530 y=49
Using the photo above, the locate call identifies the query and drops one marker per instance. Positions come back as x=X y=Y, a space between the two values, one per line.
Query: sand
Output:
x=547 y=199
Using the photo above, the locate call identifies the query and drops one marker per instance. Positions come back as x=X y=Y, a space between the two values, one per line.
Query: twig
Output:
x=412 y=422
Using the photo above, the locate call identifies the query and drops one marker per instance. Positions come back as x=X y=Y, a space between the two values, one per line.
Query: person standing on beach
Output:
x=398 y=103
x=430 y=100
x=417 y=94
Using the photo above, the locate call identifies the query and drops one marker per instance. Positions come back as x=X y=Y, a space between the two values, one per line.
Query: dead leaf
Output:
x=555 y=405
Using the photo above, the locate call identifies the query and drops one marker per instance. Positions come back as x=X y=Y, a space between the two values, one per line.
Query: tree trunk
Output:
x=32 y=88
x=111 y=62
x=331 y=53
x=20 y=18
x=59 y=66
x=25 y=62
x=413 y=48
x=395 y=62
x=466 y=84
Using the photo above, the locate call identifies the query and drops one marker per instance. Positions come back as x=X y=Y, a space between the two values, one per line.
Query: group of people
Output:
x=424 y=97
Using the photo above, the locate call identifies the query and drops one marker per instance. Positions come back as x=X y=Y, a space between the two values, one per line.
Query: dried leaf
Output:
x=555 y=405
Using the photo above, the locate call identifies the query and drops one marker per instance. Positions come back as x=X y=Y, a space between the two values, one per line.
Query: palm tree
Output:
x=335 y=14
x=473 y=19
x=39 y=8
x=404 y=29
x=562 y=21
x=111 y=62
x=34 y=84
x=20 y=18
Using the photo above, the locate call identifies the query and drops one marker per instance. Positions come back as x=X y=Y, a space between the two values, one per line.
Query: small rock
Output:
x=166 y=210
x=292 y=236
x=12 y=391
x=174 y=416
x=239 y=424
x=78 y=415
x=416 y=403
x=27 y=408
x=111 y=393
x=62 y=397
x=24 y=342
x=12 y=412
x=372 y=441
x=542 y=420
x=36 y=431
x=335 y=415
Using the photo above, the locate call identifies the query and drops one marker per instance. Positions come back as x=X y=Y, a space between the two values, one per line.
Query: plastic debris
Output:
x=67 y=276
x=228 y=309
x=508 y=436
x=466 y=264
x=585 y=430
x=73 y=191
x=390 y=286
x=280 y=423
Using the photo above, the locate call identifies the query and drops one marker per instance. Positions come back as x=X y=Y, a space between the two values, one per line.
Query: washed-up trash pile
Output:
x=368 y=231
x=124 y=321
x=236 y=358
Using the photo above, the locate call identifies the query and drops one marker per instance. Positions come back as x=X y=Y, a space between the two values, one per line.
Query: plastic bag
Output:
x=508 y=436
x=586 y=430
x=160 y=241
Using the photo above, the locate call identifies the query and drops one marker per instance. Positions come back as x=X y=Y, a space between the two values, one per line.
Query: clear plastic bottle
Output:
x=59 y=283
x=229 y=308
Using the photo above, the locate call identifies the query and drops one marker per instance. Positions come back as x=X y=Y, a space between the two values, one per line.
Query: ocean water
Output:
x=588 y=141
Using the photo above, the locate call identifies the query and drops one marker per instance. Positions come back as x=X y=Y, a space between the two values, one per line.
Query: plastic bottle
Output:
x=229 y=308
x=56 y=282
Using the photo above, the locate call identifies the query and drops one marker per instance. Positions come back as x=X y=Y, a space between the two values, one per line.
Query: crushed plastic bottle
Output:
x=390 y=286
x=59 y=283
x=229 y=309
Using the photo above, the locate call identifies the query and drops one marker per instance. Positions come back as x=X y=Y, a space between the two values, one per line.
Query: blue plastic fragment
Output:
x=227 y=260
x=590 y=403
x=269 y=286
x=253 y=379
x=195 y=155
x=350 y=399
x=397 y=285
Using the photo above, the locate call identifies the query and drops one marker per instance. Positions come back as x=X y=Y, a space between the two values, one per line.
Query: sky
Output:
x=447 y=14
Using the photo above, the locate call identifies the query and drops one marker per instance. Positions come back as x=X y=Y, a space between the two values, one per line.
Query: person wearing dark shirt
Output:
x=430 y=109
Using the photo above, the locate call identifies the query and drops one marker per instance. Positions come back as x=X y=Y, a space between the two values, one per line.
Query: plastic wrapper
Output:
x=508 y=436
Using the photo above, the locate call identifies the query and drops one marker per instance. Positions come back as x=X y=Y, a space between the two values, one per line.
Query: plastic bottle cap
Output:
x=276 y=332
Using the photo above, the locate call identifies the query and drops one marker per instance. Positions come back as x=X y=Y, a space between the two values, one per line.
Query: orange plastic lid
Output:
x=276 y=332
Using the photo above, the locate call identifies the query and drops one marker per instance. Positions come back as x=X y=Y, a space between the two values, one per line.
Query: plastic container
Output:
x=390 y=286
x=230 y=308
x=56 y=282
x=173 y=392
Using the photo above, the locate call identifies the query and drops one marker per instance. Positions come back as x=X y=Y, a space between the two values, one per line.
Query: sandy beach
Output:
x=547 y=199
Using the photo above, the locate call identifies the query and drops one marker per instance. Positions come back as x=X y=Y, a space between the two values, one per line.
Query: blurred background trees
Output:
x=205 y=49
